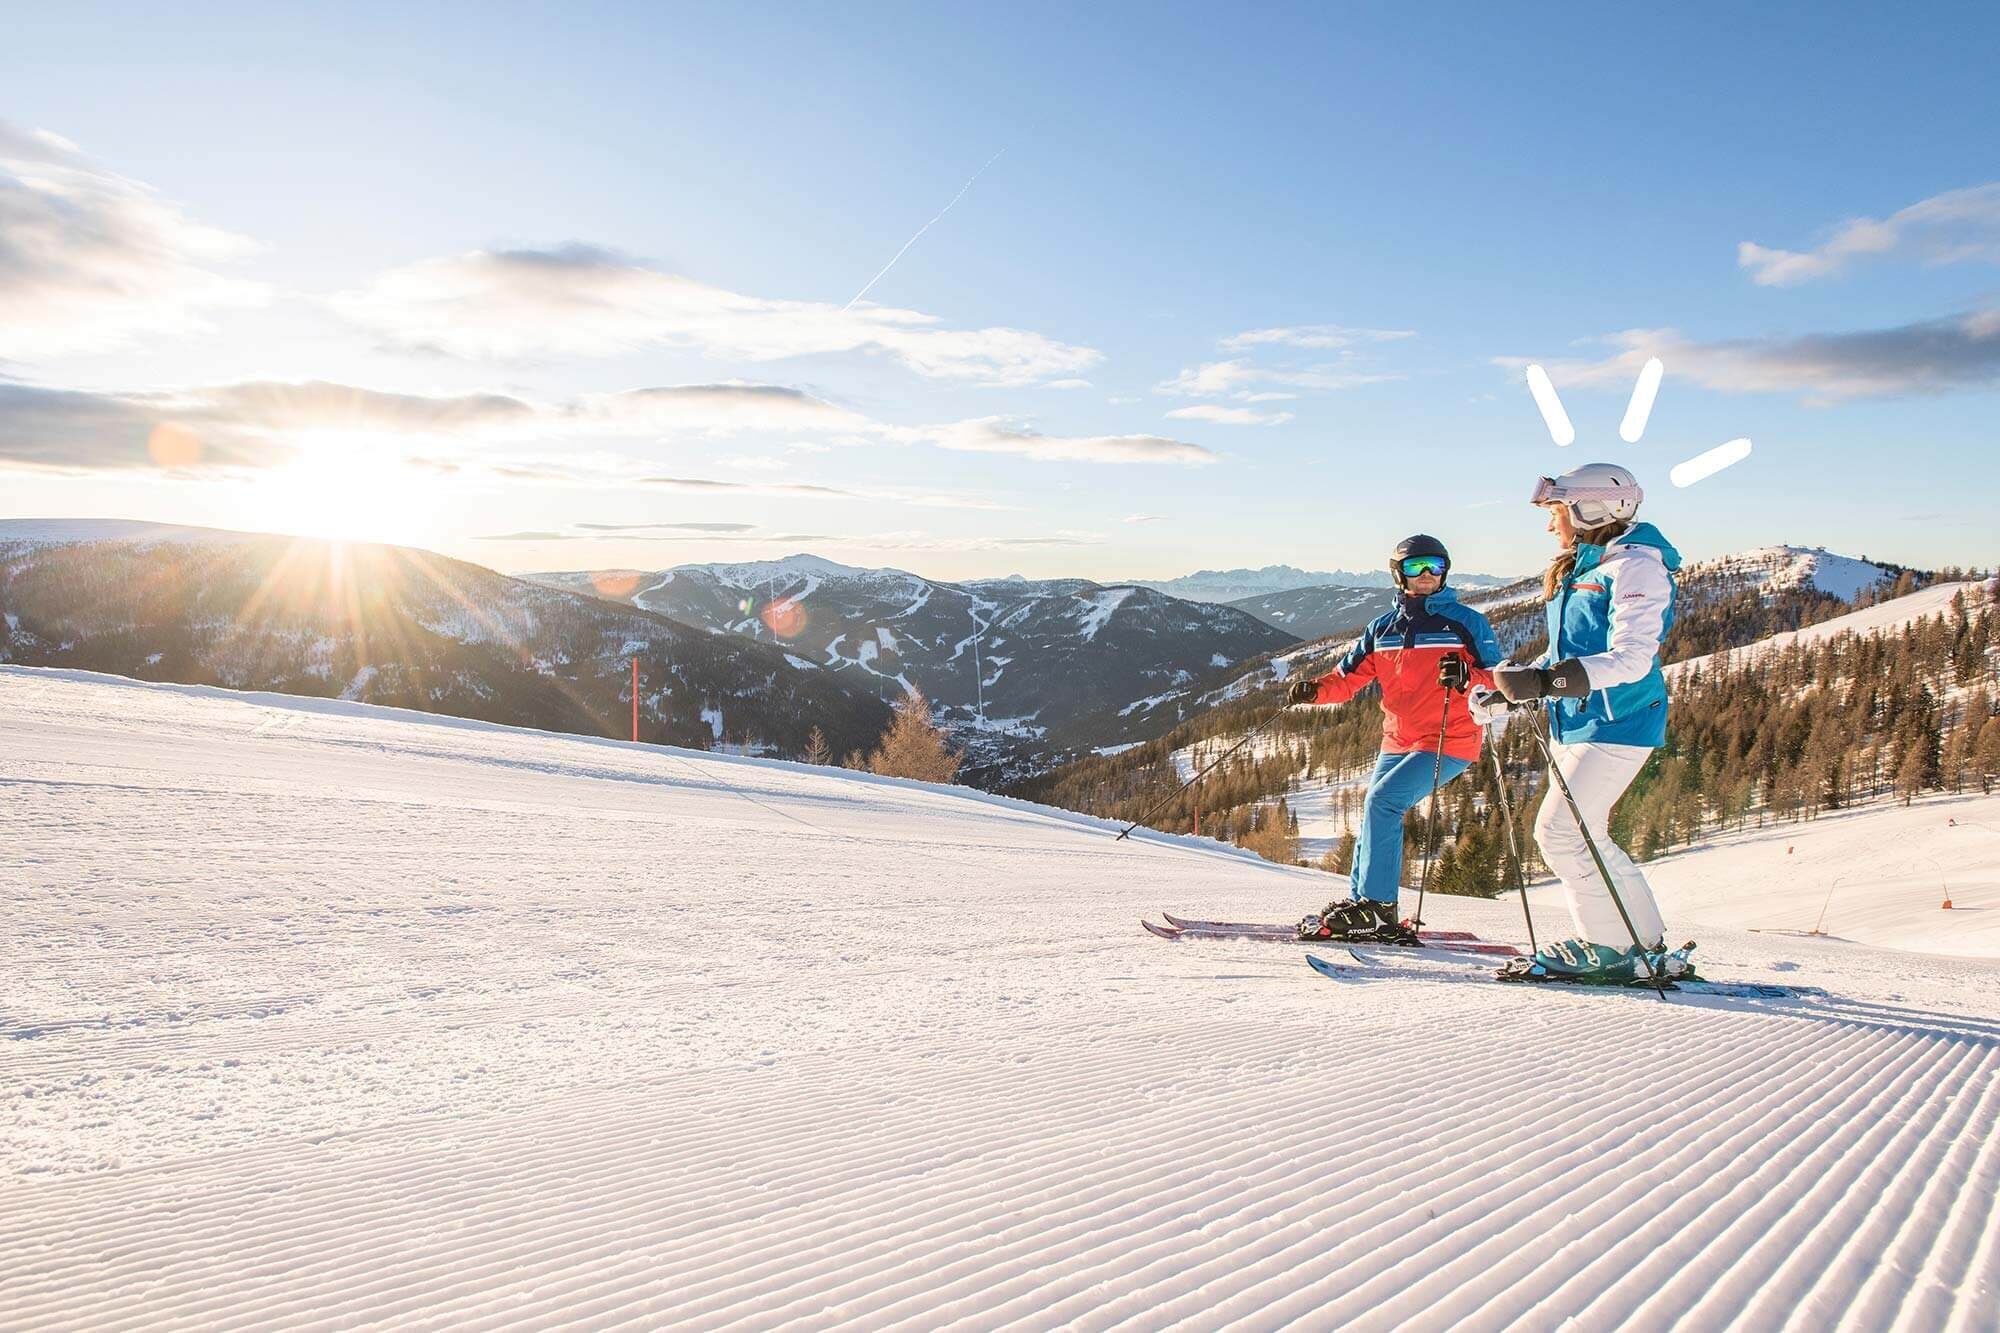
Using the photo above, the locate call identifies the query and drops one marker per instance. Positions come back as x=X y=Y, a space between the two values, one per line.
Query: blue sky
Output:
x=1234 y=291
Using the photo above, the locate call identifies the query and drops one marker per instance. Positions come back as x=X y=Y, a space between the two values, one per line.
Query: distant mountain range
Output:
x=1234 y=586
x=1022 y=672
x=392 y=625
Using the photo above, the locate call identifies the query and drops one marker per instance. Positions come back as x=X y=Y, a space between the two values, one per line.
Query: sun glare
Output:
x=346 y=491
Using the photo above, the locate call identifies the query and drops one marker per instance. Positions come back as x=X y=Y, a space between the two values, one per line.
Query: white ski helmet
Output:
x=1594 y=494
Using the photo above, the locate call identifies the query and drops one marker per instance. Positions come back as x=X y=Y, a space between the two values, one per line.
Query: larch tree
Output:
x=913 y=746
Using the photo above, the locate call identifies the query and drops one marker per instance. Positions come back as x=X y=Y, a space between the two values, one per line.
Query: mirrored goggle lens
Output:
x=1422 y=564
x=1545 y=491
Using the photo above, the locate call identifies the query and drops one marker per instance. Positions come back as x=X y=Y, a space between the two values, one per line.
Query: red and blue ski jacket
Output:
x=1401 y=650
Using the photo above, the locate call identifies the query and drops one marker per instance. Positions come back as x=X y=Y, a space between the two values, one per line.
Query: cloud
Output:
x=90 y=260
x=1067 y=384
x=731 y=406
x=319 y=405
x=1946 y=228
x=1317 y=336
x=1229 y=416
x=586 y=301
x=992 y=435
x=689 y=527
x=1145 y=518
x=915 y=540
x=75 y=431
x=1933 y=356
x=1220 y=377
x=508 y=439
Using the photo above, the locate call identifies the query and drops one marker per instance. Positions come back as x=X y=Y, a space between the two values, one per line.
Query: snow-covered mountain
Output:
x=1775 y=569
x=1238 y=585
x=393 y=625
x=1022 y=672
x=325 y=1014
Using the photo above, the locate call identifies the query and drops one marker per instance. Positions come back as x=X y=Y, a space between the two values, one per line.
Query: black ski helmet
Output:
x=1421 y=544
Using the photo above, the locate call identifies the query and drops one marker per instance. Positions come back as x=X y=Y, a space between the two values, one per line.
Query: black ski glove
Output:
x=1304 y=690
x=1453 y=674
x=1565 y=680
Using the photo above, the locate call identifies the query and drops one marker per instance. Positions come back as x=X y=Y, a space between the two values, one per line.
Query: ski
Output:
x=1290 y=936
x=1744 y=990
x=1273 y=928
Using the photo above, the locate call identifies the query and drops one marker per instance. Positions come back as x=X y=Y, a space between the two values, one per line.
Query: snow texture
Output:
x=322 y=1014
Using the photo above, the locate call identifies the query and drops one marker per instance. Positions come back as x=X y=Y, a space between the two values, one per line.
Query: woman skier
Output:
x=1610 y=599
x=1425 y=653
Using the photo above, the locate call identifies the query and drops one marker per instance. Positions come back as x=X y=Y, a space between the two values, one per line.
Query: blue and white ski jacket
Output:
x=1612 y=614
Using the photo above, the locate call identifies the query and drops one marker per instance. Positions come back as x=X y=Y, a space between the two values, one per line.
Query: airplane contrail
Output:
x=920 y=231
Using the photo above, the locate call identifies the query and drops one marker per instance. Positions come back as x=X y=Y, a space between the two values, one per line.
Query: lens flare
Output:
x=785 y=618
x=173 y=445
x=615 y=584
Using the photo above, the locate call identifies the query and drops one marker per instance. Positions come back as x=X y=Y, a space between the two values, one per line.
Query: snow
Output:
x=1880 y=874
x=885 y=637
x=332 y=1015
x=713 y=716
x=1095 y=610
x=801 y=663
x=1781 y=567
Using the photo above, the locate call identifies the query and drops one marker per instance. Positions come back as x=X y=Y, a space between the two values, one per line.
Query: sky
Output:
x=1116 y=292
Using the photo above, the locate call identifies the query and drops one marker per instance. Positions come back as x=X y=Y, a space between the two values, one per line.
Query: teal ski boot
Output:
x=1581 y=963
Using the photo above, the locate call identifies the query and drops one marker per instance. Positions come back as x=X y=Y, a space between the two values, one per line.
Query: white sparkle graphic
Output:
x=1641 y=406
x=1544 y=389
x=1637 y=412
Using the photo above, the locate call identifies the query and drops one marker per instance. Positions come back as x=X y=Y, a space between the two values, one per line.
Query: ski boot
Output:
x=1355 y=920
x=1582 y=963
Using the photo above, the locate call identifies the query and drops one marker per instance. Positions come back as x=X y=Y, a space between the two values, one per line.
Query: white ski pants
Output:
x=1597 y=775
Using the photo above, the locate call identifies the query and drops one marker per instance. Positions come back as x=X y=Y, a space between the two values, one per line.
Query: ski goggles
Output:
x=1418 y=565
x=1549 y=491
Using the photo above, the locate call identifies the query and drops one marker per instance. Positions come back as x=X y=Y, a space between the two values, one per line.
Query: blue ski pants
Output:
x=1399 y=782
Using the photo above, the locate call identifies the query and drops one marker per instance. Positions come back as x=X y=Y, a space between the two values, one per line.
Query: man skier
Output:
x=1425 y=654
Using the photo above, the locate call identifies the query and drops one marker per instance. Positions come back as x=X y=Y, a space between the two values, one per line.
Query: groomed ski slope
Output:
x=322 y=1014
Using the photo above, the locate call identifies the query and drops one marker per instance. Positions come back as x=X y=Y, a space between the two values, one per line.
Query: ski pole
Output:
x=1247 y=738
x=1430 y=825
x=1513 y=843
x=1597 y=859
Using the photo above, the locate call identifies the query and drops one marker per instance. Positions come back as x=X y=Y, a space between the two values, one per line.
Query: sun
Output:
x=349 y=489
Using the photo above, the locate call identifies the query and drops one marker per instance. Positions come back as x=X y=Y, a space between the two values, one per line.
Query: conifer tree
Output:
x=817 y=750
x=913 y=746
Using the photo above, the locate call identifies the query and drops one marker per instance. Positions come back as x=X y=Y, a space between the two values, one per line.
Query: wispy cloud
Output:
x=1236 y=377
x=1946 y=228
x=994 y=435
x=1315 y=336
x=1145 y=518
x=914 y=540
x=1933 y=356
x=676 y=527
x=90 y=260
x=68 y=430
x=584 y=301
x=1229 y=416
x=503 y=438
